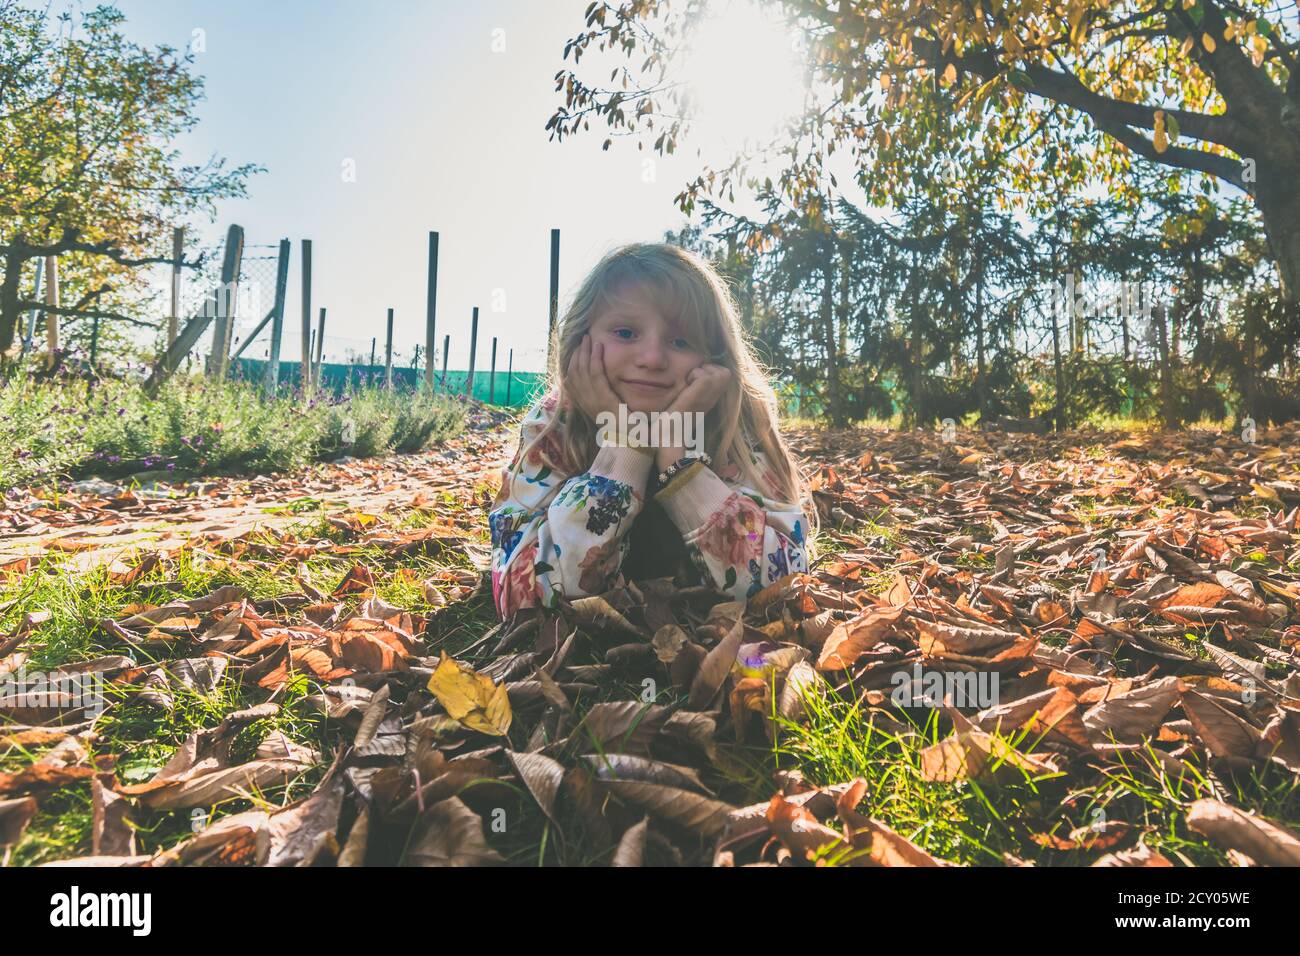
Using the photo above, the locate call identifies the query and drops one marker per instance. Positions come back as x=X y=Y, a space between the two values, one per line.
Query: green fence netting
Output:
x=521 y=391
x=518 y=392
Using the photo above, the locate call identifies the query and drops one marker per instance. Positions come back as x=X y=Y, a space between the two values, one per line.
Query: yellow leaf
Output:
x=1269 y=586
x=950 y=74
x=1265 y=492
x=885 y=81
x=471 y=698
x=1160 y=139
x=1258 y=47
x=1077 y=29
x=1187 y=46
x=1208 y=41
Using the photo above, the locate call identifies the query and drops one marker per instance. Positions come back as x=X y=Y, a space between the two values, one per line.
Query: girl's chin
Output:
x=644 y=403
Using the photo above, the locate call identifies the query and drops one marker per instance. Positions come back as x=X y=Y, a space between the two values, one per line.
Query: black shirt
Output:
x=656 y=548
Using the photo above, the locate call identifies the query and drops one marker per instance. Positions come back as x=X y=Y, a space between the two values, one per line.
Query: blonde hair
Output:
x=687 y=288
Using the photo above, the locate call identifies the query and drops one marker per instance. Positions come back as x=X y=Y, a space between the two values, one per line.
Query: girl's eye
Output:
x=685 y=343
x=619 y=333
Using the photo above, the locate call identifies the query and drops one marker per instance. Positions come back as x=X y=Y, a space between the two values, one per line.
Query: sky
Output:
x=380 y=122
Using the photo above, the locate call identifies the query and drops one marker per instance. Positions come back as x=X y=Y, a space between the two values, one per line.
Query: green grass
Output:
x=970 y=822
x=977 y=823
x=143 y=736
x=70 y=429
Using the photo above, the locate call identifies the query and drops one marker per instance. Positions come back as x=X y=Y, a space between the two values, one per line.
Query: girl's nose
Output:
x=652 y=352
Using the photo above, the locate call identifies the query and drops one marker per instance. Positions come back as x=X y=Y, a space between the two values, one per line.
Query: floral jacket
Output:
x=556 y=533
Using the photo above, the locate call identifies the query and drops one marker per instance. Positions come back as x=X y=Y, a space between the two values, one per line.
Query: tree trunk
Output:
x=1058 y=412
x=1278 y=201
x=981 y=382
x=915 y=402
x=9 y=289
x=834 y=400
x=1250 y=390
x=1168 y=414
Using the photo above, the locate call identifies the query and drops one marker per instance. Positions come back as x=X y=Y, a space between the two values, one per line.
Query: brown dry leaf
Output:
x=668 y=642
x=1054 y=712
x=847 y=642
x=242 y=839
x=801 y=680
x=1133 y=715
x=1140 y=855
x=715 y=668
x=111 y=833
x=683 y=808
x=1223 y=732
x=801 y=831
x=887 y=848
x=976 y=755
x=542 y=776
x=623 y=726
x=41 y=778
x=375 y=712
x=631 y=846
x=597 y=614
x=1262 y=840
x=358 y=842
x=940 y=639
x=615 y=766
x=450 y=834
x=206 y=789
x=1280 y=740
x=301 y=832
x=15 y=815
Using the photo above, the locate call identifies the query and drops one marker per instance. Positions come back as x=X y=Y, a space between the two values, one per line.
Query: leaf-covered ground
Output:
x=1063 y=650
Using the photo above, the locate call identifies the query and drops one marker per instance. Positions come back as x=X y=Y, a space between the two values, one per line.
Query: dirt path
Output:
x=94 y=526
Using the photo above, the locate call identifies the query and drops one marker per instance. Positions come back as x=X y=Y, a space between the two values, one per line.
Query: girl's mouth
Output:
x=645 y=386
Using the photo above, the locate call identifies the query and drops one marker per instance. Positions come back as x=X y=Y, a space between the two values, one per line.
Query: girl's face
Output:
x=647 y=357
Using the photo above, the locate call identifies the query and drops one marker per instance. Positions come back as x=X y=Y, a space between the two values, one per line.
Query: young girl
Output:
x=654 y=329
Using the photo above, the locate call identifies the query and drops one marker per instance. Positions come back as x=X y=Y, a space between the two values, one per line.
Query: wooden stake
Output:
x=431 y=312
x=306 y=318
x=227 y=296
x=271 y=381
x=51 y=299
x=320 y=348
x=473 y=348
x=388 y=354
x=178 y=249
x=31 y=316
x=555 y=290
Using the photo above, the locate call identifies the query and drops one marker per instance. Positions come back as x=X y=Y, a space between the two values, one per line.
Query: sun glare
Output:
x=743 y=71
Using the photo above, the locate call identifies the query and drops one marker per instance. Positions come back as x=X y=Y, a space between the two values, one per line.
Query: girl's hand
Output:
x=587 y=382
x=704 y=386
